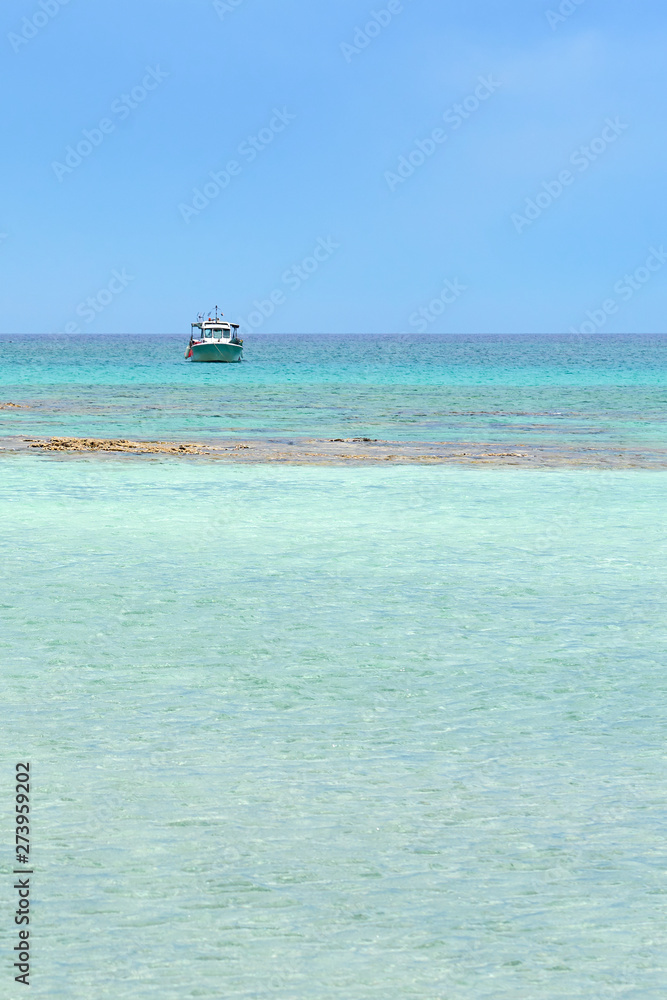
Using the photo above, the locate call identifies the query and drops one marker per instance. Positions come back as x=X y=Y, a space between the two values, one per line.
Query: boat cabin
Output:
x=211 y=329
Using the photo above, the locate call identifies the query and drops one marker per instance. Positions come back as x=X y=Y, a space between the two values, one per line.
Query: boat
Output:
x=214 y=339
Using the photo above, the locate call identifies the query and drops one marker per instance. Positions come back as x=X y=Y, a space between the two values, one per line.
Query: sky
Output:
x=493 y=166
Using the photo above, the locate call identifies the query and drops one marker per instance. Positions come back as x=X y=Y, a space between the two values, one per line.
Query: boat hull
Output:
x=222 y=353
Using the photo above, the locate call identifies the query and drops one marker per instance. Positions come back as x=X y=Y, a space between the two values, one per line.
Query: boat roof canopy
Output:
x=215 y=324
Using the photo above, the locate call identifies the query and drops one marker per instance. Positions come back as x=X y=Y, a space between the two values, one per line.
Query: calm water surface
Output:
x=326 y=733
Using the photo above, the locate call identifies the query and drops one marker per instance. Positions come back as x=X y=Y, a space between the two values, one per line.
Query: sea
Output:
x=336 y=733
x=567 y=390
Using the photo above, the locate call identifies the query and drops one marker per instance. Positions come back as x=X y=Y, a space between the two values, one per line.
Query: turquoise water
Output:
x=337 y=733
x=563 y=390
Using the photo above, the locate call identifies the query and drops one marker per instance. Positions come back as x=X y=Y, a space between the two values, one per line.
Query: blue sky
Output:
x=316 y=106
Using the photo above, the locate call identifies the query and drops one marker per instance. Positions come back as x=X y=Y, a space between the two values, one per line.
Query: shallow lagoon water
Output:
x=560 y=391
x=332 y=733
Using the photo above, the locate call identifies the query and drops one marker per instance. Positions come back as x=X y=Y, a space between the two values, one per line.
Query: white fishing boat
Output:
x=214 y=339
